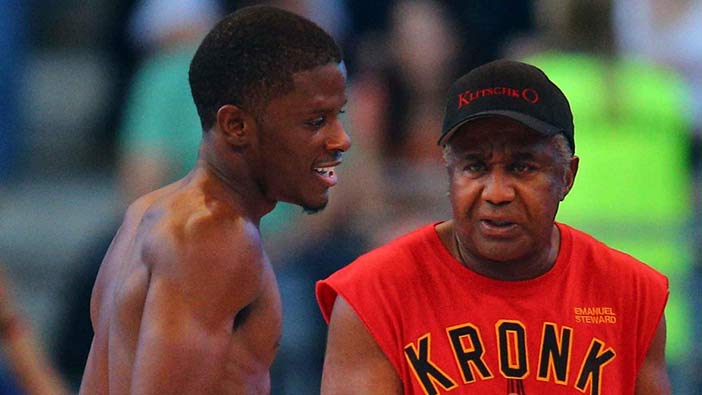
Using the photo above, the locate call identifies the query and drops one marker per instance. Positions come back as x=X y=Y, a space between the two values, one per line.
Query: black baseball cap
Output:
x=513 y=89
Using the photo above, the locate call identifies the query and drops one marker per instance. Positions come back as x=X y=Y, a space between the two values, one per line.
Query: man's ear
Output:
x=569 y=176
x=235 y=124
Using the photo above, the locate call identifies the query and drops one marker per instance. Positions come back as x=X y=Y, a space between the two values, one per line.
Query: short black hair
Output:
x=250 y=56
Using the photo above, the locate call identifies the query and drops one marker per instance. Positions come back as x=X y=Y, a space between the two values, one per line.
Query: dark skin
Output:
x=506 y=182
x=505 y=189
x=186 y=301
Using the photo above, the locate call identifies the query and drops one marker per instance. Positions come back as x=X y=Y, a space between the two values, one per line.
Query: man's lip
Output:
x=330 y=164
x=329 y=179
x=489 y=227
x=498 y=219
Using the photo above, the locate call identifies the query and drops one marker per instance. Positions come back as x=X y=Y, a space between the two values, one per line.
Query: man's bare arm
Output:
x=196 y=289
x=354 y=363
x=653 y=378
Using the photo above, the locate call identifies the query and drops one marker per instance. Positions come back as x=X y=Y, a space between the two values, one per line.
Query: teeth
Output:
x=325 y=171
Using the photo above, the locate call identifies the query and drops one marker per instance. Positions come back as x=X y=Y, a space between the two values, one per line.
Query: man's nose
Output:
x=338 y=139
x=498 y=188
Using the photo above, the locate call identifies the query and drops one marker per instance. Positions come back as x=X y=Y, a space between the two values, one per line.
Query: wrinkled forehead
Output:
x=496 y=133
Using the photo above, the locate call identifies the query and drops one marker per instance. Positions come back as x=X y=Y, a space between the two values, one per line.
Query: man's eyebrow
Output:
x=524 y=156
x=472 y=155
x=321 y=109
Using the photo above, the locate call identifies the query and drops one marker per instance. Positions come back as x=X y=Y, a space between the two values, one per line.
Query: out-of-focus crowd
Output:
x=95 y=110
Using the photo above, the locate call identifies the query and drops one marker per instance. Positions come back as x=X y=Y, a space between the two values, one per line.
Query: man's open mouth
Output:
x=325 y=171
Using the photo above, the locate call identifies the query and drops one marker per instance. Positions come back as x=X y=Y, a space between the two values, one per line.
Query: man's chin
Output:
x=313 y=209
x=309 y=205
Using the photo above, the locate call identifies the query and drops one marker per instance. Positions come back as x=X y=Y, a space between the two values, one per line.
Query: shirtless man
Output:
x=186 y=301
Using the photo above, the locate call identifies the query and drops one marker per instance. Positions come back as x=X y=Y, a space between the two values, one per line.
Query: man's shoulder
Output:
x=193 y=233
x=610 y=259
x=402 y=243
x=385 y=270
x=400 y=253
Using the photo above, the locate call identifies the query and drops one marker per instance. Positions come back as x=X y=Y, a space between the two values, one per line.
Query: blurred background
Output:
x=95 y=110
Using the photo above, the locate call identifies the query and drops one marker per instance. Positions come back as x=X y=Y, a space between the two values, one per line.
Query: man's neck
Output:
x=524 y=268
x=231 y=181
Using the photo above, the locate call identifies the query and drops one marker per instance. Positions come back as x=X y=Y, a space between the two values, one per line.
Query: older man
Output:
x=500 y=298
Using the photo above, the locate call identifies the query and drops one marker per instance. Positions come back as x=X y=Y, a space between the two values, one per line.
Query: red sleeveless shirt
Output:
x=583 y=327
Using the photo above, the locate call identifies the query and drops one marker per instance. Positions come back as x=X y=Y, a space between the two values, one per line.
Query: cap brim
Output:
x=536 y=124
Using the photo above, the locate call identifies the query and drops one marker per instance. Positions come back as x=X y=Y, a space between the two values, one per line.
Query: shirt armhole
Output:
x=651 y=334
x=326 y=296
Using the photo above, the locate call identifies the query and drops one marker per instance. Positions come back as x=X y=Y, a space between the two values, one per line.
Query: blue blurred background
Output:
x=95 y=110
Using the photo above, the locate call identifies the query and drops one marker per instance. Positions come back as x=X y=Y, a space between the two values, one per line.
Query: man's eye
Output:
x=521 y=167
x=317 y=122
x=474 y=167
